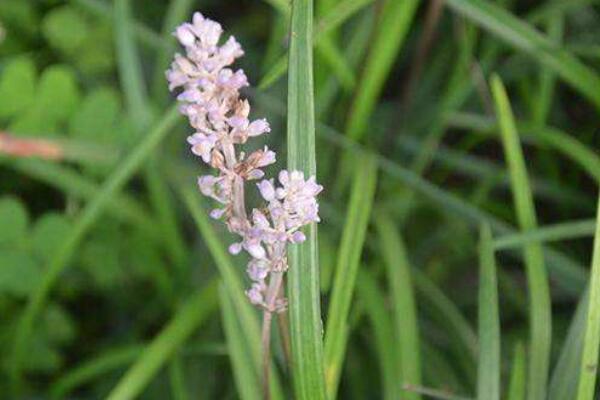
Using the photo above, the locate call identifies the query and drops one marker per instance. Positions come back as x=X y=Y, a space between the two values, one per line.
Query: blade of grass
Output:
x=522 y=36
x=547 y=78
x=516 y=384
x=177 y=379
x=404 y=308
x=337 y=62
x=565 y=376
x=164 y=345
x=371 y=295
x=396 y=19
x=113 y=359
x=356 y=48
x=246 y=380
x=162 y=204
x=331 y=20
x=303 y=275
x=537 y=280
x=134 y=88
x=348 y=261
x=85 y=221
x=488 y=375
x=490 y=172
x=591 y=344
x=570 y=276
x=337 y=15
x=562 y=142
x=130 y=69
x=557 y=232
x=107 y=361
x=449 y=317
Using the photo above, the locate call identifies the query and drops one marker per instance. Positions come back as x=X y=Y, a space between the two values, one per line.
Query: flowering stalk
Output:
x=210 y=98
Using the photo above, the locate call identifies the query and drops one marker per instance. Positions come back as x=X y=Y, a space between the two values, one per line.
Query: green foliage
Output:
x=17 y=86
x=114 y=282
x=65 y=29
x=14 y=222
x=56 y=98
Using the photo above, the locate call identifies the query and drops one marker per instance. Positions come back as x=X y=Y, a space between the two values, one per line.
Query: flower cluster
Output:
x=210 y=98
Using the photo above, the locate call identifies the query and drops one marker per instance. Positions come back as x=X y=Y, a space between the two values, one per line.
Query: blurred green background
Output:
x=103 y=240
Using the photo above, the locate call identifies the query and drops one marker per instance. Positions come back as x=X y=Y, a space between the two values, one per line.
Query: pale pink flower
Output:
x=209 y=97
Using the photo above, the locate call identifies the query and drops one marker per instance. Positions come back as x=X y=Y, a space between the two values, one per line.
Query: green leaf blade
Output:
x=488 y=381
x=539 y=291
x=303 y=275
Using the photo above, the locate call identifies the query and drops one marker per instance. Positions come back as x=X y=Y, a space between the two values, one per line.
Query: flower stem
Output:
x=272 y=294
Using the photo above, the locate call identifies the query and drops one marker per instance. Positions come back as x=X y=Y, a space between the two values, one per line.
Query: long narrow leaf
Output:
x=488 y=376
x=305 y=308
x=185 y=322
x=516 y=385
x=557 y=232
x=130 y=68
x=570 y=276
x=523 y=37
x=565 y=376
x=372 y=296
x=331 y=20
x=539 y=291
x=403 y=305
x=396 y=19
x=348 y=261
x=247 y=382
x=591 y=344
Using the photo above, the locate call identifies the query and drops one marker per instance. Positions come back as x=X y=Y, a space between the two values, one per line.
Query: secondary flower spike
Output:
x=209 y=95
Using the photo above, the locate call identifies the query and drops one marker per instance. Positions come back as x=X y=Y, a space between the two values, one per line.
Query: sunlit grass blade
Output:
x=88 y=217
x=404 y=308
x=396 y=19
x=303 y=275
x=557 y=232
x=518 y=372
x=172 y=337
x=231 y=280
x=348 y=262
x=372 y=297
x=565 y=376
x=488 y=375
x=539 y=291
x=246 y=380
x=591 y=344
x=525 y=38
